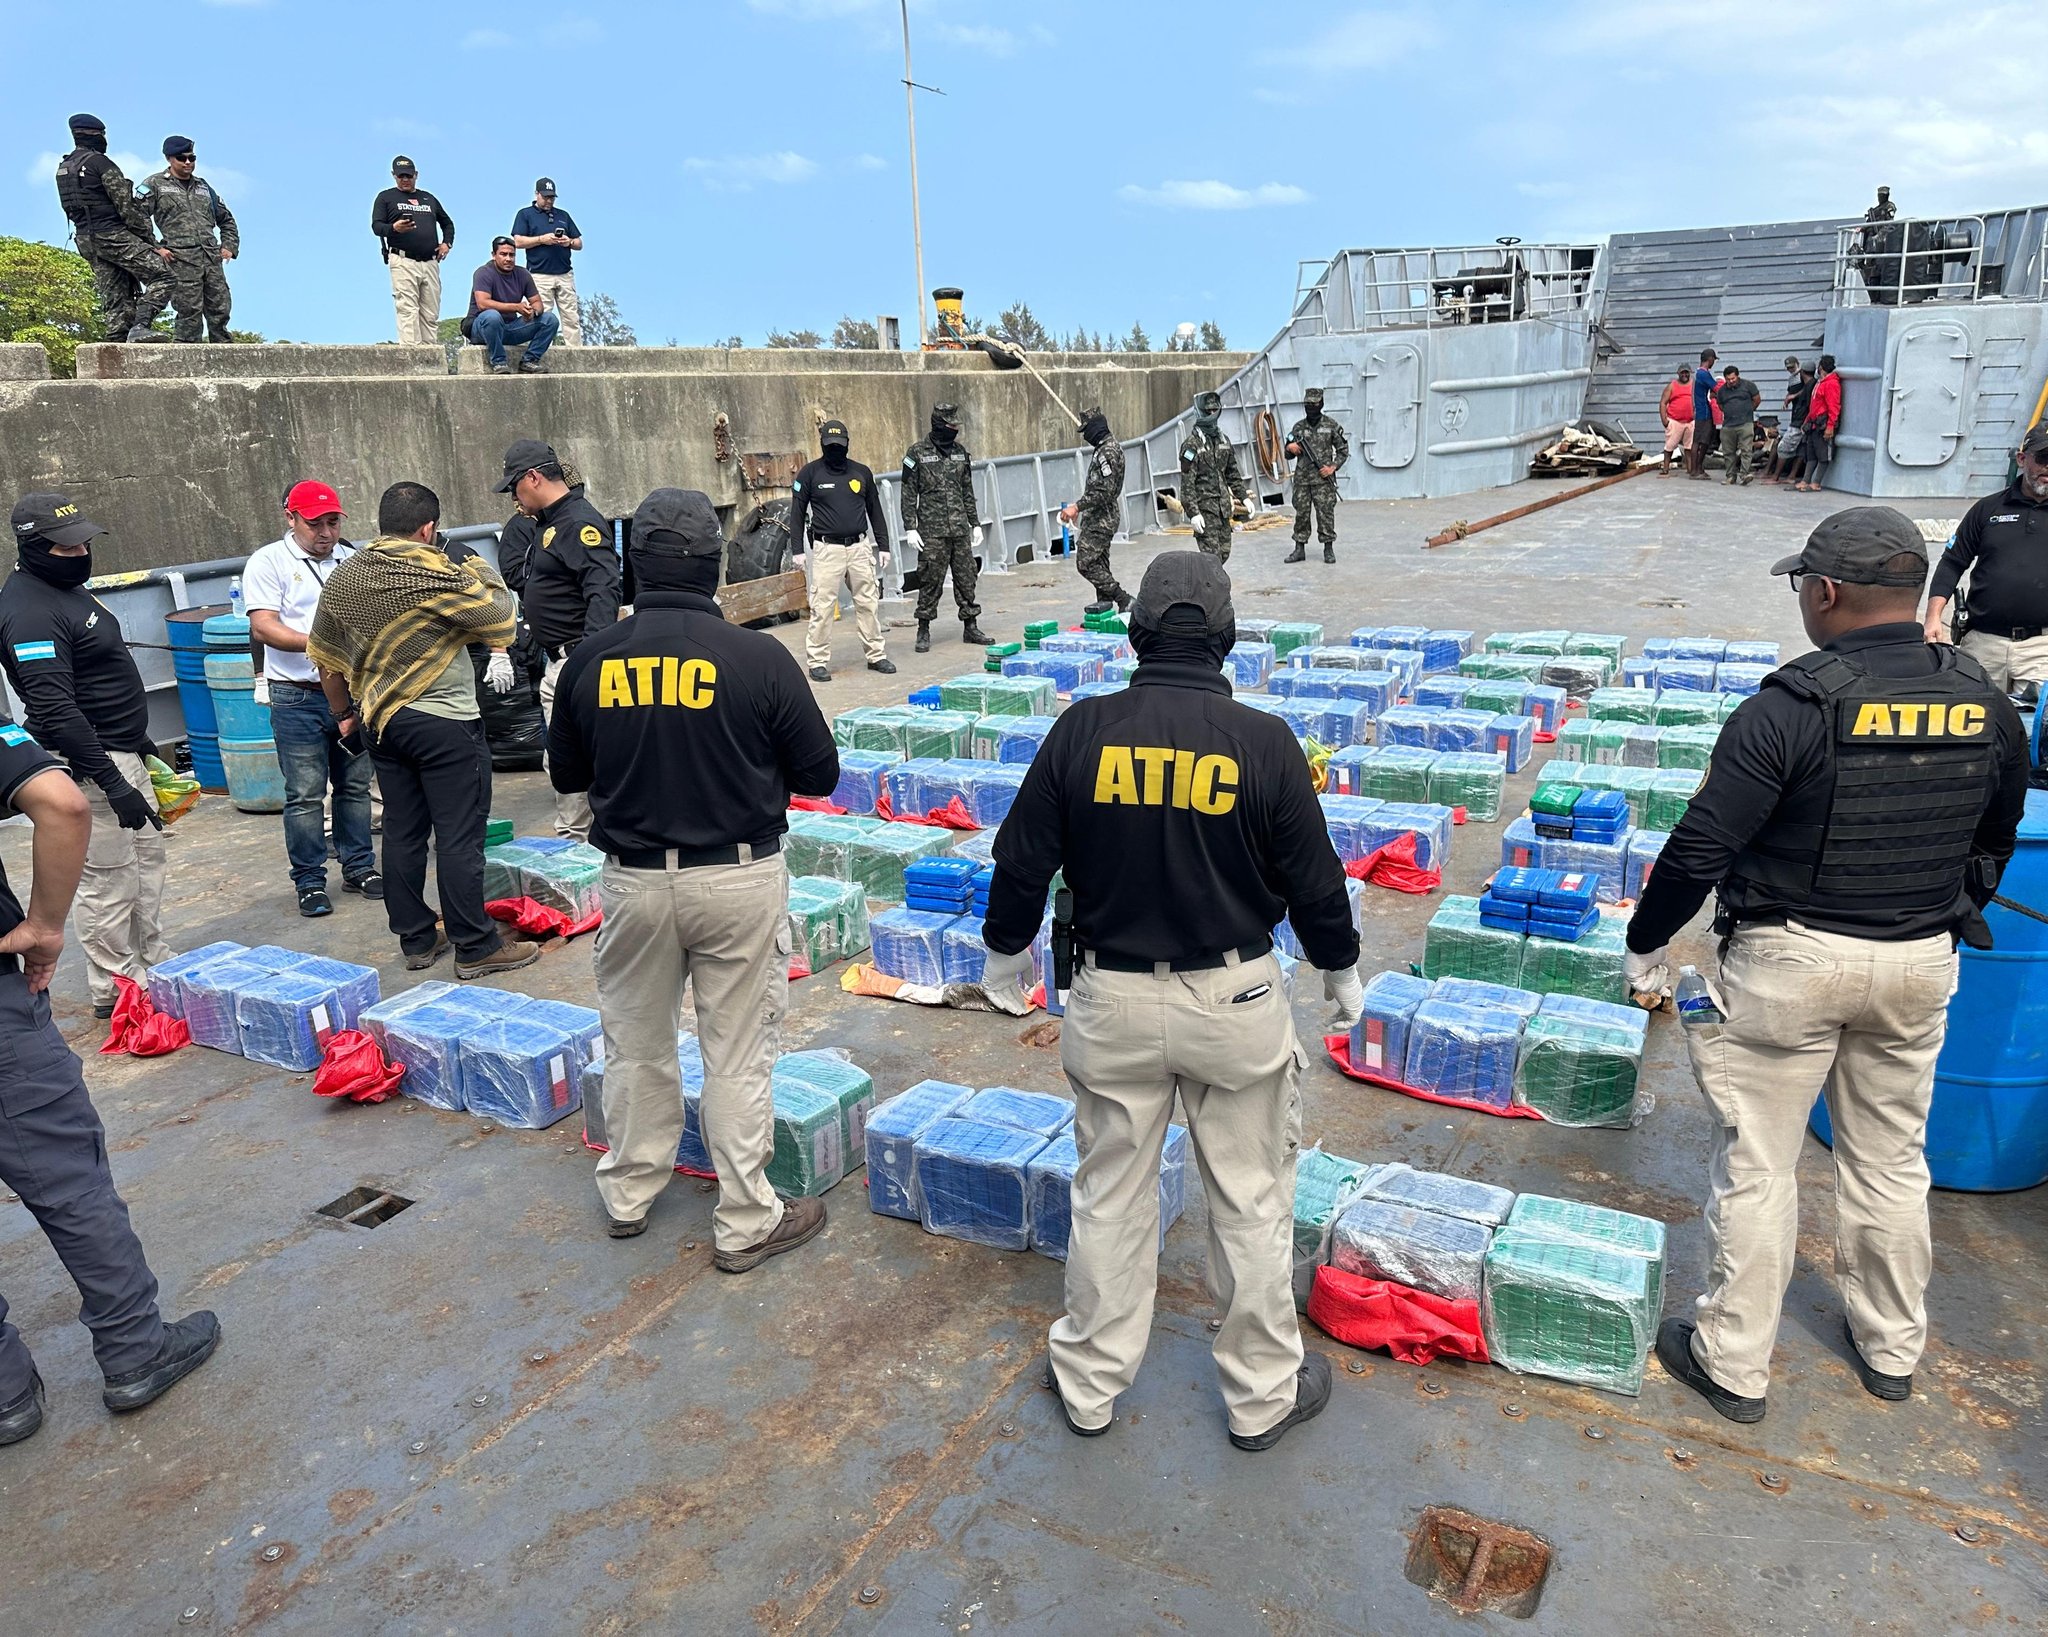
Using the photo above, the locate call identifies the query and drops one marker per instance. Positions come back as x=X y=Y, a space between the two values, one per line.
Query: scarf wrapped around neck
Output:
x=394 y=615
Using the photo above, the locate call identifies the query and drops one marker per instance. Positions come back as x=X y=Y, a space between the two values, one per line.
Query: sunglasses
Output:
x=184 y=159
x=1799 y=575
x=2039 y=456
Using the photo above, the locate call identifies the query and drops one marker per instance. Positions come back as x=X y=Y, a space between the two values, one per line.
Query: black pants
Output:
x=53 y=1153
x=436 y=779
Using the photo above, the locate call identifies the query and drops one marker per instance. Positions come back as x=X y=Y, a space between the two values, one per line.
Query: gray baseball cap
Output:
x=1857 y=547
x=1191 y=577
x=679 y=521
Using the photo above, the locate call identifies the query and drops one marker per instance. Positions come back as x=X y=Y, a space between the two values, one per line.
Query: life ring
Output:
x=1266 y=444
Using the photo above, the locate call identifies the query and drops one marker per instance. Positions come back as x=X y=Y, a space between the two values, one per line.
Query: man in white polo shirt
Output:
x=281 y=588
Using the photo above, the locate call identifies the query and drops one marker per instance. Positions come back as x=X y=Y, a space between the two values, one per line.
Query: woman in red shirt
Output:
x=1676 y=413
x=1823 y=420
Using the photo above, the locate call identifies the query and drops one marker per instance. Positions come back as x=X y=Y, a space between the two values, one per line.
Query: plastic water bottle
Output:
x=1695 y=1002
x=235 y=597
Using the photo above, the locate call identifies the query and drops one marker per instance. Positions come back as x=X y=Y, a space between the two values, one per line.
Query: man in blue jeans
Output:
x=505 y=309
x=281 y=588
x=1704 y=433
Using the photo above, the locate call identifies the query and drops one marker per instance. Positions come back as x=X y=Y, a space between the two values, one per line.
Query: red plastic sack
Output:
x=1338 y=1046
x=354 y=1068
x=139 y=1029
x=953 y=816
x=538 y=920
x=815 y=804
x=1394 y=866
x=1413 y=1325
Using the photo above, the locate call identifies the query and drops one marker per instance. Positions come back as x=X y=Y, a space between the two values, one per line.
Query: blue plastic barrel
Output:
x=235 y=708
x=188 y=666
x=206 y=765
x=1988 y=1130
x=254 y=778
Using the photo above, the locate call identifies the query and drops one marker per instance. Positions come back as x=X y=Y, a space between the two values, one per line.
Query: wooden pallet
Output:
x=762 y=599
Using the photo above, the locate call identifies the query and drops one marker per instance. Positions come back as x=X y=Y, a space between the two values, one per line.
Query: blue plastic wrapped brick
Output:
x=1104 y=645
x=1460 y=730
x=970 y=1181
x=582 y=1024
x=1637 y=672
x=1034 y=1111
x=1513 y=737
x=420 y=994
x=1345 y=817
x=909 y=944
x=211 y=993
x=289 y=1024
x=1301 y=716
x=1374 y=689
x=1406 y=663
x=428 y=1041
x=1249 y=664
x=1095 y=690
x=165 y=993
x=860 y=778
x=1017 y=738
x=891 y=1134
x=1605 y=861
x=1444 y=692
x=1407 y=725
x=1546 y=704
x=1520 y=846
x=1521 y=884
x=1694 y=674
x=1463 y=1052
x=1441 y=650
x=1751 y=653
x=1344 y=774
x=1742 y=679
x=962 y=954
x=991 y=791
x=1708 y=648
x=1340 y=723
x=1498 y=997
x=1067 y=670
x=1346 y=658
x=1645 y=847
x=1049 y=1180
x=520 y=1072
x=1379 y=1040
x=1430 y=824
x=1290 y=946
x=906 y=784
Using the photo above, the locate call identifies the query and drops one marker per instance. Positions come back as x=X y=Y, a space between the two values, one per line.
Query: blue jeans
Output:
x=309 y=750
x=492 y=331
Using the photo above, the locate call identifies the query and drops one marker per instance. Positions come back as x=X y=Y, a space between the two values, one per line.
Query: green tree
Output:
x=1019 y=326
x=46 y=296
x=603 y=326
x=449 y=329
x=856 y=334
x=1212 y=337
x=727 y=342
x=1137 y=340
x=795 y=338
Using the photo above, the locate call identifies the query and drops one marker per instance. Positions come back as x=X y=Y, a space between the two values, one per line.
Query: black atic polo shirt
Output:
x=686 y=731
x=1186 y=824
x=70 y=665
x=2003 y=542
x=572 y=575
x=837 y=503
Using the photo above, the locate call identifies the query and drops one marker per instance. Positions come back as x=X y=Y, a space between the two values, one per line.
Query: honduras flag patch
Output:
x=25 y=652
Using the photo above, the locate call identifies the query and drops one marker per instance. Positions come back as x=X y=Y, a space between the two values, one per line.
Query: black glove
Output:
x=133 y=808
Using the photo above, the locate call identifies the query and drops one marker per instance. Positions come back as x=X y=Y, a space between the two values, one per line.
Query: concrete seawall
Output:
x=183 y=452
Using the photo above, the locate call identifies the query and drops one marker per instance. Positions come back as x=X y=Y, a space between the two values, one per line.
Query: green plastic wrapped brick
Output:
x=942 y=733
x=1574 y=1071
x=1471 y=779
x=1594 y=967
x=1730 y=702
x=1671 y=792
x=1622 y=705
x=1500 y=667
x=1325 y=1186
x=1603 y=644
x=828 y=919
x=505 y=871
x=1576 y=1223
x=809 y=1155
x=1554 y=796
x=1036 y=631
x=565 y=882
x=1502 y=698
x=1288 y=635
x=1568 y=1310
x=1687 y=747
x=877 y=859
x=1396 y=773
x=1547 y=643
x=817 y=842
x=1681 y=707
x=1455 y=945
x=849 y=1086
x=986 y=695
x=873 y=727
x=1109 y=623
x=497 y=832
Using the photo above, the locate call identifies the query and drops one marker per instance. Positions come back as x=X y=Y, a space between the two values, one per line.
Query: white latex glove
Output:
x=912 y=540
x=1195 y=522
x=1649 y=974
x=498 y=672
x=974 y=543
x=1348 y=993
x=1008 y=979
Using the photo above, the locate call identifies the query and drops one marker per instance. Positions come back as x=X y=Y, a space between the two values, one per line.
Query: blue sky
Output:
x=740 y=165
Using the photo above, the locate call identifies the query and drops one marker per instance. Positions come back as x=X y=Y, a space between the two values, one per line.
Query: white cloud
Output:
x=869 y=162
x=740 y=173
x=487 y=39
x=1214 y=195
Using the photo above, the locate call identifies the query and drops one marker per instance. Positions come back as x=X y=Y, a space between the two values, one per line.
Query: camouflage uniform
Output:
x=1322 y=443
x=115 y=236
x=1209 y=482
x=187 y=215
x=938 y=504
x=1101 y=511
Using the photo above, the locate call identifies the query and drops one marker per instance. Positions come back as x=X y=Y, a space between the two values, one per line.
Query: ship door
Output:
x=1393 y=404
x=1930 y=375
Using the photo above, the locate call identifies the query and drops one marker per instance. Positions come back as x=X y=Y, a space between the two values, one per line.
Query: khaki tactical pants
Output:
x=2006 y=662
x=416 y=294
x=1811 y=1011
x=1129 y=1042
x=572 y=807
x=558 y=290
x=724 y=928
x=119 y=908
x=854 y=566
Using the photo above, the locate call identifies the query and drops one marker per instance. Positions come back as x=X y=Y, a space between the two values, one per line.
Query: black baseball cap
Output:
x=176 y=147
x=2036 y=439
x=402 y=166
x=528 y=455
x=680 y=522
x=1857 y=546
x=53 y=520
x=546 y=185
x=833 y=431
x=1192 y=577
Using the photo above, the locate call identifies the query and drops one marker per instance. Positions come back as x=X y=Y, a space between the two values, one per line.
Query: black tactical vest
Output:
x=1911 y=766
x=83 y=196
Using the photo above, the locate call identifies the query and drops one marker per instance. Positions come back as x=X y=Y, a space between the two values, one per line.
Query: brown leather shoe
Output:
x=426 y=957
x=505 y=958
x=802 y=1219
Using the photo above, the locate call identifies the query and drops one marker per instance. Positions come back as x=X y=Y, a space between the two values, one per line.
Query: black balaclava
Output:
x=677 y=543
x=660 y=568
x=835 y=456
x=944 y=428
x=1095 y=429
x=1313 y=409
x=88 y=132
x=69 y=572
x=1180 y=639
x=1209 y=413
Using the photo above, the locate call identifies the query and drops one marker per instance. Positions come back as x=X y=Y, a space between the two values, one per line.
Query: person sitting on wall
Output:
x=505 y=309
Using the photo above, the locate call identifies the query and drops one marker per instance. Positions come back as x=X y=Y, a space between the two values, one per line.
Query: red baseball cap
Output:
x=312 y=500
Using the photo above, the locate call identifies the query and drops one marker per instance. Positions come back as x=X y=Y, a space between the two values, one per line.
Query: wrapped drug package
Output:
x=1471 y=779
x=810 y=1153
x=288 y=1018
x=1379 y=1040
x=1325 y=1185
x=520 y=1071
x=165 y=992
x=1443 y=1255
x=1580 y=1061
x=1463 y=1052
x=846 y=1083
x=1570 y=1311
x=970 y=1181
x=1443 y=1194
x=828 y=919
x=890 y=1137
x=1456 y=945
x=860 y=778
x=1593 y=967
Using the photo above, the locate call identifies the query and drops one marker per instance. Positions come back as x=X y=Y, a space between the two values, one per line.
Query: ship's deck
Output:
x=486 y=1416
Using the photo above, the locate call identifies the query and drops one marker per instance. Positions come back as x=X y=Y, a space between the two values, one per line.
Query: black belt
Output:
x=1189 y=963
x=695 y=858
x=10 y=963
x=2011 y=633
x=839 y=539
x=294 y=682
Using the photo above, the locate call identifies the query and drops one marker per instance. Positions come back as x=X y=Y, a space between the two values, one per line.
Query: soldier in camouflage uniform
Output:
x=1319 y=446
x=1210 y=483
x=188 y=215
x=130 y=274
x=939 y=524
x=1099 y=511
